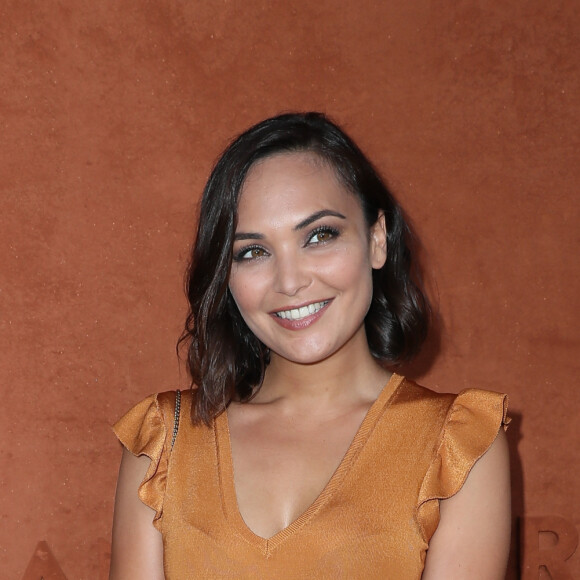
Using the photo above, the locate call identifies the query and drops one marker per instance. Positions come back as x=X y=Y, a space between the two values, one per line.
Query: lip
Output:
x=303 y=322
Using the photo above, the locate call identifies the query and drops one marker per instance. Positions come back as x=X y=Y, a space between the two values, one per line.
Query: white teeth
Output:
x=303 y=312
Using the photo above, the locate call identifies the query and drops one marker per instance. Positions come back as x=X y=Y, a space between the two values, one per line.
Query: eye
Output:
x=250 y=253
x=322 y=235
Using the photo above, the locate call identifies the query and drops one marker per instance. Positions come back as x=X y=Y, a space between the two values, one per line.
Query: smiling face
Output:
x=303 y=256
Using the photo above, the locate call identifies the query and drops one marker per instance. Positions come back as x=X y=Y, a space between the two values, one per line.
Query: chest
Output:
x=281 y=465
x=366 y=504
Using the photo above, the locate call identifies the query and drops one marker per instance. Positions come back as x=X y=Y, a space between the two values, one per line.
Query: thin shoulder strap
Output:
x=176 y=416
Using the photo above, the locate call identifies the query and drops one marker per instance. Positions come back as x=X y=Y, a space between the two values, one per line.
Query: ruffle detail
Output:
x=143 y=432
x=471 y=426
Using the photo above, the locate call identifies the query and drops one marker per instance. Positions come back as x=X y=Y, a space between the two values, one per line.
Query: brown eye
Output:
x=322 y=235
x=250 y=253
x=256 y=252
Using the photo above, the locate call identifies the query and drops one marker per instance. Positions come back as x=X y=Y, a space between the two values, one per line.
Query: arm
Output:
x=473 y=537
x=137 y=550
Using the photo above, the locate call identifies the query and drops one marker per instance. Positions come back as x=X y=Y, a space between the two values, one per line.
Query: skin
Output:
x=302 y=239
x=137 y=549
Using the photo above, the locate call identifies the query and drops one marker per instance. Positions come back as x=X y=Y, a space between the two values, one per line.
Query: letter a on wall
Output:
x=43 y=565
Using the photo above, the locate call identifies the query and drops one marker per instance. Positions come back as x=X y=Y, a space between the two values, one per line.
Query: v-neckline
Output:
x=227 y=483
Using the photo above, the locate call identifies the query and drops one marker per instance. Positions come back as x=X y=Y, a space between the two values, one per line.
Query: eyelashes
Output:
x=249 y=253
x=321 y=235
x=324 y=234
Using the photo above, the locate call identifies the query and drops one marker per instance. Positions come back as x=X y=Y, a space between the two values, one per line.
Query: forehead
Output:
x=297 y=184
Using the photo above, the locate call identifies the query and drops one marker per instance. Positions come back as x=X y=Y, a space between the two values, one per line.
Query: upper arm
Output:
x=137 y=549
x=472 y=539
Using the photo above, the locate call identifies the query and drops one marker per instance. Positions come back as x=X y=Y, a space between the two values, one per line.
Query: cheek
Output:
x=236 y=285
x=347 y=268
x=246 y=288
x=243 y=298
x=352 y=276
x=240 y=293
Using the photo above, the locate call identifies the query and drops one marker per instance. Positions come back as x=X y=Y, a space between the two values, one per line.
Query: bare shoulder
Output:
x=473 y=537
x=137 y=549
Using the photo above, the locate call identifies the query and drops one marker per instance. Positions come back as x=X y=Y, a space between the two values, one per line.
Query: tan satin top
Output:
x=373 y=519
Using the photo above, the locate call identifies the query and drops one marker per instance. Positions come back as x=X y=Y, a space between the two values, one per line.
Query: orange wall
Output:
x=111 y=114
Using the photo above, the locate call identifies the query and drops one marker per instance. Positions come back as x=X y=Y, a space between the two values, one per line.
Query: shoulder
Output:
x=145 y=431
x=469 y=407
x=473 y=536
x=150 y=418
x=409 y=390
x=464 y=501
x=458 y=430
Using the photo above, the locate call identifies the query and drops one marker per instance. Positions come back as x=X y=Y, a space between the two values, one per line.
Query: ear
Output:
x=378 y=242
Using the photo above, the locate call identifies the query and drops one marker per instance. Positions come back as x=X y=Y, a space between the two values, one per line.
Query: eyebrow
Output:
x=243 y=236
x=316 y=216
x=300 y=226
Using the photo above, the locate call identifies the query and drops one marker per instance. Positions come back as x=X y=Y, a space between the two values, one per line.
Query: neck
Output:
x=349 y=374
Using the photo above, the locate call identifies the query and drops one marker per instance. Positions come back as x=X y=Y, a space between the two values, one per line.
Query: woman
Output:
x=299 y=454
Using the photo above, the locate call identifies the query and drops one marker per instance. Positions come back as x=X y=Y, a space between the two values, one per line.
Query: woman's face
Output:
x=303 y=258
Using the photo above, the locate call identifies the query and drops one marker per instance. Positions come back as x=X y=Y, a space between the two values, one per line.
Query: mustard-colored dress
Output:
x=373 y=519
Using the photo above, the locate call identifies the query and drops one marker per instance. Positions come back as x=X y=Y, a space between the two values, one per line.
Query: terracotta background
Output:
x=111 y=114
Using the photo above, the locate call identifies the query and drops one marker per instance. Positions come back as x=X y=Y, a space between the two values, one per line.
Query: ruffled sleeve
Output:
x=471 y=426
x=143 y=432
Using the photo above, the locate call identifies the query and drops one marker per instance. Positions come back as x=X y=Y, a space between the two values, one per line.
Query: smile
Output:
x=302 y=312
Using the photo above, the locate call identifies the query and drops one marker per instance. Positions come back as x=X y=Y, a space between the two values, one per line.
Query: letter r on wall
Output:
x=553 y=558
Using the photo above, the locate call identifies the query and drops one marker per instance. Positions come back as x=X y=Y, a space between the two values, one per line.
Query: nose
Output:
x=292 y=274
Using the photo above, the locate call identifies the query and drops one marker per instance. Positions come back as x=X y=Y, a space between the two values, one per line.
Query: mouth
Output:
x=302 y=312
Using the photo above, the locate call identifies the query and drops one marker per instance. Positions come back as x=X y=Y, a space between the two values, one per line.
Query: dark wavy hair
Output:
x=225 y=359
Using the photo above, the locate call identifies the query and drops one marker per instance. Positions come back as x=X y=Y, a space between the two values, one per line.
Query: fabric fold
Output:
x=471 y=426
x=143 y=432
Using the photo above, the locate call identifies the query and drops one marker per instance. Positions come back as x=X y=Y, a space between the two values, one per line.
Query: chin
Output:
x=308 y=357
